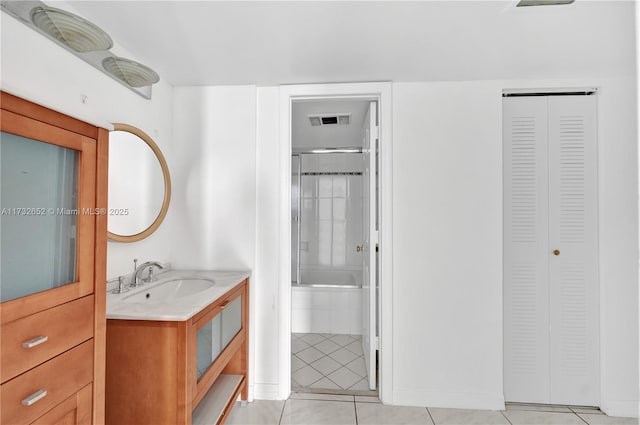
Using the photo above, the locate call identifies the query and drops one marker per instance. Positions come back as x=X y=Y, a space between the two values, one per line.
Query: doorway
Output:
x=294 y=265
x=334 y=230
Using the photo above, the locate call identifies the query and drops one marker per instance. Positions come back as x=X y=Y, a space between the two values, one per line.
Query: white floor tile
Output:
x=529 y=417
x=342 y=340
x=343 y=356
x=309 y=355
x=467 y=417
x=326 y=397
x=306 y=376
x=260 y=412
x=326 y=346
x=344 y=377
x=318 y=412
x=298 y=345
x=296 y=363
x=596 y=419
x=312 y=339
x=324 y=384
x=355 y=347
x=358 y=367
x=361 y=385
x=367 y=399
x=378 y=414
x=325 y=365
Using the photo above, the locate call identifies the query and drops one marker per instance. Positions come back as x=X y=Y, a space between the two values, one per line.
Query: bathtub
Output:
x=330 y=279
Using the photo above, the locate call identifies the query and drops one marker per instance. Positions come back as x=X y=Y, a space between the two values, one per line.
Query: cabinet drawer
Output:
x=76 y=410
x=34 y=339
x=46 y=386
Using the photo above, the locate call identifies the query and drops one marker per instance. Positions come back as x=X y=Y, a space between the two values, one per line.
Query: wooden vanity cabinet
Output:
x=154 y=375
x=52 y=354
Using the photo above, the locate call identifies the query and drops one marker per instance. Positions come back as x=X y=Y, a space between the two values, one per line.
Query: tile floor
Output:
x=319 y=409
x=328 y=362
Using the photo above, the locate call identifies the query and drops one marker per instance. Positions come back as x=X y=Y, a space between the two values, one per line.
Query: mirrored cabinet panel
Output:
x=38 y=225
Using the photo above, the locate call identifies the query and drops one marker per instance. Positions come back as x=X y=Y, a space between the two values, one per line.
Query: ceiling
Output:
x=304 y=135
x=270 y=43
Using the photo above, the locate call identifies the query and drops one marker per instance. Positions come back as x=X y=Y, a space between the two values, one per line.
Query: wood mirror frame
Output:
x=167 y=185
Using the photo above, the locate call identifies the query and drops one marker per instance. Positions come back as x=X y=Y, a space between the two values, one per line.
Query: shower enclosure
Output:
x=327 y=218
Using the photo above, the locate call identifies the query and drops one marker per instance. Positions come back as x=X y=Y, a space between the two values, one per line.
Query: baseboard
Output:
x=266 y=392
x=459 y=400
x=626 y=409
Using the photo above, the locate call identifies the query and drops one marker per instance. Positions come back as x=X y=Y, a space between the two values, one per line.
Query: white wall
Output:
x=447 y=217
x=214 y=178
x=447 y=231
x=214 y=198
x=38 y=70
x=447 y=224
x=266 y=273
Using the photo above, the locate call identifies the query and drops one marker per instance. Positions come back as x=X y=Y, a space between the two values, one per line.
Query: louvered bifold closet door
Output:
x=573 y=236
x=526 y=291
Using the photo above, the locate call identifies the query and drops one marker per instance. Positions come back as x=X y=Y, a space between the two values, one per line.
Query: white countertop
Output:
x=178 y=309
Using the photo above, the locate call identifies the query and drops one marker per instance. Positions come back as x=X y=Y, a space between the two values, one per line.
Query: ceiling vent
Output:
x=329 y=119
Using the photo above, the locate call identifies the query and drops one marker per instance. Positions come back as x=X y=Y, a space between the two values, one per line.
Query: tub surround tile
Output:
x=318 y=412
x=530 y=417
x=379 y=414
x=260 y=412
x=466 y=417
x=601 y=419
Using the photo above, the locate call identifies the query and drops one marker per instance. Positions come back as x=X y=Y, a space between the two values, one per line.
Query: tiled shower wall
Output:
x=331 y=227
x=331 y=222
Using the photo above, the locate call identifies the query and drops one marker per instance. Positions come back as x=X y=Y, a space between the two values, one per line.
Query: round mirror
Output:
x=139 y=184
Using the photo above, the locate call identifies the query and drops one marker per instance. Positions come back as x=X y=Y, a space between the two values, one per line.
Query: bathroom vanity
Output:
x=177 y=349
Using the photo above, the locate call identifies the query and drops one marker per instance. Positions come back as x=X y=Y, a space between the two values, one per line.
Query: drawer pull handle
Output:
x=35 y=341
x=224 y=304
x=35 y=397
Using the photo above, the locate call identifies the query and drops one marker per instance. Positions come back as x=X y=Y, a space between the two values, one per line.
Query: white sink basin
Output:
x=170 y=290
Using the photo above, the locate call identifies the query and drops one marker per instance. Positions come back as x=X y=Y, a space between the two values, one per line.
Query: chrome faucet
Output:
x=136 y=280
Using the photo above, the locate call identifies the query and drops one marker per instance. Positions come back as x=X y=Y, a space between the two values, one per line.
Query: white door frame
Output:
x=381 y=92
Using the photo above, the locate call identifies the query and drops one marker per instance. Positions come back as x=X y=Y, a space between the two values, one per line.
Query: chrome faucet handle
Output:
x=150 y=277
x=121 y=286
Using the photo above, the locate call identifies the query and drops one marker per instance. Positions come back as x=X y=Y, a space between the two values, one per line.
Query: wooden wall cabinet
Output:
x=165 y=372
x=52 y=347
